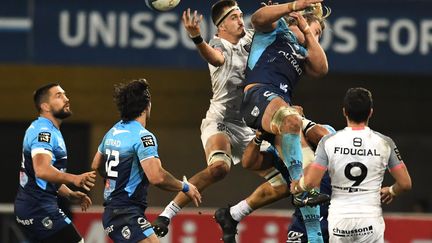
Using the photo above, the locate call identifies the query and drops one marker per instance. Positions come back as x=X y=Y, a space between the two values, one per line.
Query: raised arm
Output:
x=208 y=53
x=265 y=18
x=316 y=62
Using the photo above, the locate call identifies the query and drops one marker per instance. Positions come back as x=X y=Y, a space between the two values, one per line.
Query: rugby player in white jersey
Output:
x=357 y=158
x=223 y=132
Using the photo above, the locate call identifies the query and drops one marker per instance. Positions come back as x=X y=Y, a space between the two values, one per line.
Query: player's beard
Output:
x=243 y=33
x=62 y=113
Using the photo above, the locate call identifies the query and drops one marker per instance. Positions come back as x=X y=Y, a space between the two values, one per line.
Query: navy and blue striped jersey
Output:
x=124 y=147
x=276 y=58
x=41 y=137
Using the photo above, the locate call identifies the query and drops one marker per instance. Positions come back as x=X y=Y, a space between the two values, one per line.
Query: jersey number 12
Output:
x=112 y=162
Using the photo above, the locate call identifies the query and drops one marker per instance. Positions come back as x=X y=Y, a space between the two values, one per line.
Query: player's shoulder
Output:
x=127 y=130
x=385 y=138
x=330 y=136
x=42 y=124
x=41 y=127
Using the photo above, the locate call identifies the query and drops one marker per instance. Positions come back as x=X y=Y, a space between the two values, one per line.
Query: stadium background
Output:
x=88 y=46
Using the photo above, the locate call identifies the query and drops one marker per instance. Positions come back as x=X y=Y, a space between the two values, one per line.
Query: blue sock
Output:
x=311 y=218
x=292 y=154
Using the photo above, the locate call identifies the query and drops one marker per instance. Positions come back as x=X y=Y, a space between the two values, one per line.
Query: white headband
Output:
x=225 y=14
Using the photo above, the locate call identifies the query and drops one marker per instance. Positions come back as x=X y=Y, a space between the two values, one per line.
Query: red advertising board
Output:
x=191 y=226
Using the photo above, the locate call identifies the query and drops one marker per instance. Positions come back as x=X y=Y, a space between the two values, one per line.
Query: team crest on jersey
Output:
x=221 y=127
x=47 y=223
x=44 y=137
x=148 y=141
x=126 y=233
x=255 y=111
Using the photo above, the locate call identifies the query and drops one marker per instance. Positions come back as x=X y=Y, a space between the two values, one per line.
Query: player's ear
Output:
x=370 y=113
x=45 y=107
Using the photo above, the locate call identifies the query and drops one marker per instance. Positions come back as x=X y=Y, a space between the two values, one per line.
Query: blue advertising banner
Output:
x=361 y=36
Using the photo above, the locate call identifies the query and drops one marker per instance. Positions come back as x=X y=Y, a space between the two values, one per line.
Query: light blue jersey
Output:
x=36 y=207
x=42 y=137
x=124 y=147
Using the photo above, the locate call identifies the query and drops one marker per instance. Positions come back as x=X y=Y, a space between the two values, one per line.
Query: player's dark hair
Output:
x=218 y=9
x=41 y=95
x=358 y=104
x=132 y=98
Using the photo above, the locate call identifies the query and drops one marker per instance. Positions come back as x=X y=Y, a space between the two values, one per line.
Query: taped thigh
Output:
x=279 y=117
x=219 y=155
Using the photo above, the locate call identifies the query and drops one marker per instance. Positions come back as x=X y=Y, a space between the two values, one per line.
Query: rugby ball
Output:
x=162 y=5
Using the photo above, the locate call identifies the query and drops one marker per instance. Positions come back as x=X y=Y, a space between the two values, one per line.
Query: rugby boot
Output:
x=227 y=223
x=160 y=226
x=311 y=198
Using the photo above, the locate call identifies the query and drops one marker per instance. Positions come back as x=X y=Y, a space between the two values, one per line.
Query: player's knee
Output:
x=218 y=170
x=219 y=164
x=286 y=120
x=291 y=124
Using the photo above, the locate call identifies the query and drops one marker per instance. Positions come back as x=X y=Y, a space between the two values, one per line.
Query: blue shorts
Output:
x=256 y=100
x=126 y=225
x=39 y=220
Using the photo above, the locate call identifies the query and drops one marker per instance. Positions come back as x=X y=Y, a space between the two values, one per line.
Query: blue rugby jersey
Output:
x=276 y=58
x=41 y=137
x=123 y=147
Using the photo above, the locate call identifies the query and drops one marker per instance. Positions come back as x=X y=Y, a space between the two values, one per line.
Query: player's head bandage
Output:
x=275 y=178
x=41 y=151
x=279 y=117
x=225 y=14
x=219 y=155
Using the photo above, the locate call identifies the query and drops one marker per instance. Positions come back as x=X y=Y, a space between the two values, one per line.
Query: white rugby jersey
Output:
x=227 y=80
x=357 y=159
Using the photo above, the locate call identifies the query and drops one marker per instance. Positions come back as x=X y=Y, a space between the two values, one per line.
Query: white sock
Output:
x=171 y=210
x=241 y=210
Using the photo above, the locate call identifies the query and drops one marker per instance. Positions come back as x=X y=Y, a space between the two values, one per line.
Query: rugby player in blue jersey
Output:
x=285 y=47
x=43 y=173
x=281 y=54
x=129 y=161
x=309 y=224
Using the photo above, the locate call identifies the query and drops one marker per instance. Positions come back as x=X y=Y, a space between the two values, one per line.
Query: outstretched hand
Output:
x=84 y=200
x=192 y=22
x=85 y=180
x=193 y=194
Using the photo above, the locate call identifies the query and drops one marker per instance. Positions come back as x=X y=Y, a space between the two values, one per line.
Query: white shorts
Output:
x=239 y=135
x=347 y=230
